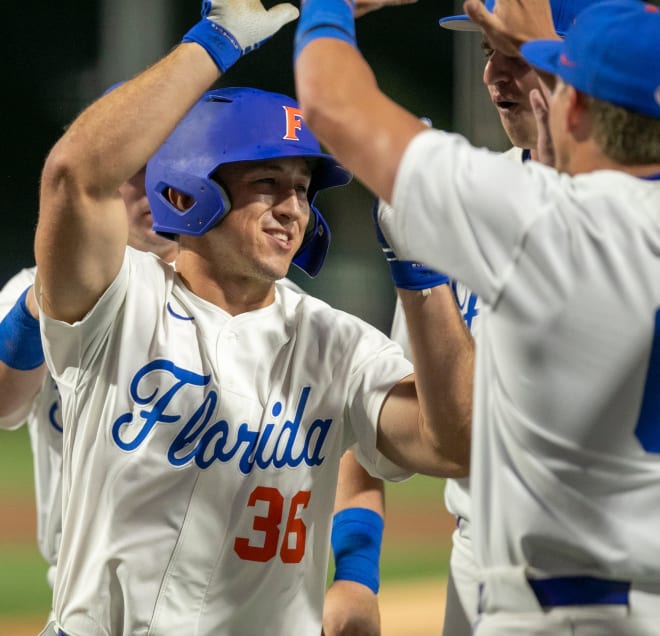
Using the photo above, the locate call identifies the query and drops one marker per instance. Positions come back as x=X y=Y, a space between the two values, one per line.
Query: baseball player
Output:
x=512 y=85
x=206 y=407
x=564 y=465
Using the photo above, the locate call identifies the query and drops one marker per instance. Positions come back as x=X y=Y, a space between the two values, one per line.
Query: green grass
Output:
x=24 y=590
x=16 y=477
x=23 y=586
x=425 y=555
x=414 y=562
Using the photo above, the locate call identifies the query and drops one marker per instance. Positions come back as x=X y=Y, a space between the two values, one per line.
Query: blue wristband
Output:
x=325 y=19
x=20 y=338
x=357 y=534
x=415 y=276
x=221 y=45
x=406 y=274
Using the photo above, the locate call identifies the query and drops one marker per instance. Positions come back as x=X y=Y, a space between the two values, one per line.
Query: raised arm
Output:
x=82 y=230
x=341 y=100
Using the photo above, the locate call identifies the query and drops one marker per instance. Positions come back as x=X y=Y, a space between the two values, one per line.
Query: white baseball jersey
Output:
x=44 y=424
x=566 y=431
x=201 y=454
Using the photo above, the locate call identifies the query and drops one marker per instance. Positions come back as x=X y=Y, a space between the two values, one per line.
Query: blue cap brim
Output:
x=458 y=23
x=543 y=54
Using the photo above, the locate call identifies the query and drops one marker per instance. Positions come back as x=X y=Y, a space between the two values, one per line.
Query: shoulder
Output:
x=311 y=312
x=514 y=154
x=143 y=265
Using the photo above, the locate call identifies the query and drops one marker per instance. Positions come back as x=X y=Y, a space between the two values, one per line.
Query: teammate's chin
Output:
x=519 y=125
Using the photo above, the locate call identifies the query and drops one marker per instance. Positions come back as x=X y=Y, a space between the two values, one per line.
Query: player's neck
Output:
x=590 y=158
x=234 y=293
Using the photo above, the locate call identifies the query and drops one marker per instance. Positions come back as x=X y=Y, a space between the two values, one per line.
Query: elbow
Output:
x=455 y=462
x=60 y=174
x=452 y=452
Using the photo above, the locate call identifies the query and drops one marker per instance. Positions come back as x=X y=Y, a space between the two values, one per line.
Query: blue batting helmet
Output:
x=226 y=126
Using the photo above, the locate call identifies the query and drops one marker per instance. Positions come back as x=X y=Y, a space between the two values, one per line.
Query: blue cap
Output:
x=612 y=53
x=563 y=15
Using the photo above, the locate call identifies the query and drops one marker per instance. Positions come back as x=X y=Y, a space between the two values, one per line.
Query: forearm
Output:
x=83 y=227
x=443 y=356
x=17 y=390
x=357 y=488
x=109 y=143
x=347 y=111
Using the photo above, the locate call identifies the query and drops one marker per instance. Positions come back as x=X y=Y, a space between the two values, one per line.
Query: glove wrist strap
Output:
x=219 y=43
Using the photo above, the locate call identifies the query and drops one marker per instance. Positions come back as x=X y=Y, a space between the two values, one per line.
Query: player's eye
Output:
x=486 y=49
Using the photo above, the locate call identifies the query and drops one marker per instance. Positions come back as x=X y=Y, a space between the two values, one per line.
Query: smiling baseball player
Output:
x=206 y=407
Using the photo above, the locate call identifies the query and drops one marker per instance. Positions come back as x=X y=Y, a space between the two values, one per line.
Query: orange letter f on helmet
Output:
x=294 y=119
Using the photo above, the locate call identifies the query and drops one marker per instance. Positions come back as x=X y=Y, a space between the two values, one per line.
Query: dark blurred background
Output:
x=59 y=56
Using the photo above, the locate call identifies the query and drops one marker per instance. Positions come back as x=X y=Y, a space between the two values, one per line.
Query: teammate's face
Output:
x=269 y=214
x=509 y=81
x=140 y=233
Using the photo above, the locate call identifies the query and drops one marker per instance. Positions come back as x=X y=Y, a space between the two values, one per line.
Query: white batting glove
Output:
x=231 y=28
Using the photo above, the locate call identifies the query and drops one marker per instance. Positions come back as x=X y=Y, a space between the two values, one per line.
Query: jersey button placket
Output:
x=227 y=342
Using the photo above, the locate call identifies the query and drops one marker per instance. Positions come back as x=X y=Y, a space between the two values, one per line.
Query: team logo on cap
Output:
x=565 y=61
x=294 y=119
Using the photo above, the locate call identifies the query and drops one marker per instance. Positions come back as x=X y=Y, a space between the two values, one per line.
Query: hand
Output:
x=405 y=274
x=231 y=28
x=350 y=609
x=513 y=22
x=367 y=6
x=545 y=149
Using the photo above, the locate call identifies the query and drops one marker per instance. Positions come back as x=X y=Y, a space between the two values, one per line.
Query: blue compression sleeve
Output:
x=20 y=339
x=357 y=534
x=325 y=19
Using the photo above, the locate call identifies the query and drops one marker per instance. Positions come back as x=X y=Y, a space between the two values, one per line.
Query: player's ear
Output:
x=577 y=119
x=180 y=200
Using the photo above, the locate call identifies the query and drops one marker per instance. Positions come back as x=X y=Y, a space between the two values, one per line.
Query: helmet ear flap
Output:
x=211 y=202
x=311 y=254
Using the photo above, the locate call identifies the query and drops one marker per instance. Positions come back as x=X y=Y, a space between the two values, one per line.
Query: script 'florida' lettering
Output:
x=203 y=438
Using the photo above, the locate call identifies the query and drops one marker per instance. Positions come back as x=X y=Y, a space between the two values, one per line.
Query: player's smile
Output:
x=281 y=237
